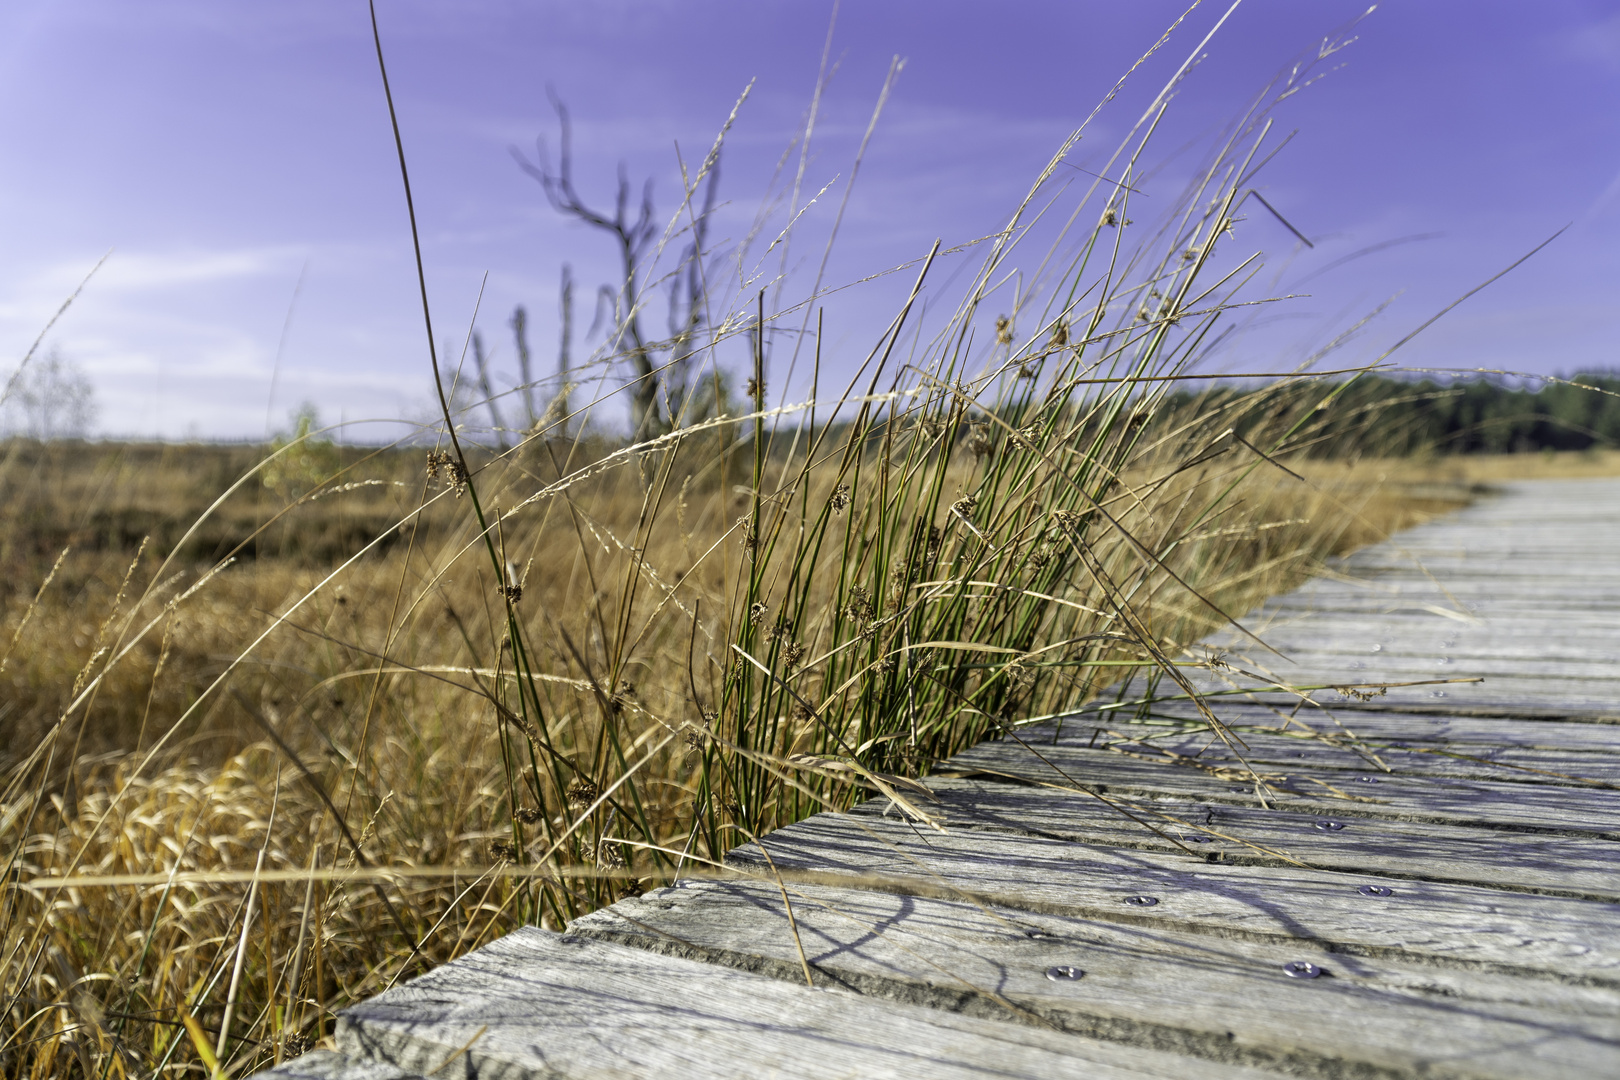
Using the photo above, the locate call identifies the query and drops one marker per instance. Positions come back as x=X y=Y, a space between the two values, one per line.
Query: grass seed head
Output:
x=859 y=607
x=1068 y=521
x=608 y=855
x=980 y=442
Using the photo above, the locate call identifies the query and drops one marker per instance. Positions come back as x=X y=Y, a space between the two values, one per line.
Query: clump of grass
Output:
x=262 y=782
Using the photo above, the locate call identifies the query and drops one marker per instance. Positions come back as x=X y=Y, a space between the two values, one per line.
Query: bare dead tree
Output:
x=687 y=313
x=487 y=388
x=565 y=339
x=633 y=235
x=520 y=336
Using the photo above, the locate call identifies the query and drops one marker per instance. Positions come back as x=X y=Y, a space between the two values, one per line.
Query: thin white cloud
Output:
x=1598 y=41
x=1600 y=205
x=141 y=271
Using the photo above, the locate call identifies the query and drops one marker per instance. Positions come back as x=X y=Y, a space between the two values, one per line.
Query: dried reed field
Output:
x=394 y=687
x=284 y=728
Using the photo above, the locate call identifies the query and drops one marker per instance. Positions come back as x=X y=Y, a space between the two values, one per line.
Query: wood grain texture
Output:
x=1326 y=746
x=1433 y=798
x=1142 y=986
x=1471 y=734
x=1522 y=590
x=327 y=1065
x=540 y=1004
x=1559 y=865
x=1550 y=696
x=1416 y=922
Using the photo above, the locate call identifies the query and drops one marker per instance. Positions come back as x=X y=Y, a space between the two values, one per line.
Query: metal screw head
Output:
x=1330 y=826
x=1037 y=935
x=1368 y=779
x=1063 y=973
x=1301 y=969
x=1377 y=648
x=1375 y=890
x=1438 y=693
x=1141 y=901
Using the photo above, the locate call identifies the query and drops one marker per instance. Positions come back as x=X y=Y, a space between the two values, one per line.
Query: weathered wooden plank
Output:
x=1319 y=674
x=1580 y=650
x=1288 y=748
x=1498 y=738
x=1459 y=590
x=1519 y=576
x=327 y=1065
x=1512 y=552
x=1305 y=667
x=1584 y=810
x=1553 y=864
x=1356 y=914
x=538 y=1004
x=1462 y=604
x=1554 y=680
x=1499 y=694
x=1224 y=1000
x=1528 y=731
x=1397 y=635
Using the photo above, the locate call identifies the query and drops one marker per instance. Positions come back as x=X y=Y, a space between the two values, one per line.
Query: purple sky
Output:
x=220 y=148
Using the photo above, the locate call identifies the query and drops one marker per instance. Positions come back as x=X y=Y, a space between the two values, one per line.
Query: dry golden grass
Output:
x=114 y=967
x=1494 y=468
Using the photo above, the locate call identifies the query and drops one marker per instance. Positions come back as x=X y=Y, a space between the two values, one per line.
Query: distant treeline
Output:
x=1368 y=415
x=1396 y=417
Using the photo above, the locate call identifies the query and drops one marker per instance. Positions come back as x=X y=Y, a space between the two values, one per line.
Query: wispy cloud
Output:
x=1598 y=41
x=140 y=271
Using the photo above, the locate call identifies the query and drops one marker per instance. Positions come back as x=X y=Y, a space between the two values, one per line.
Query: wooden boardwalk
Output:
x=1425 y=883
